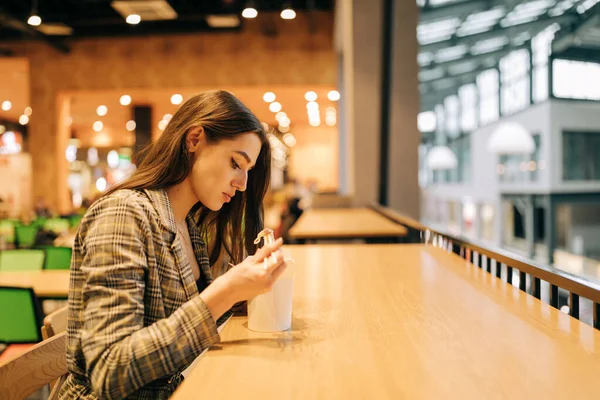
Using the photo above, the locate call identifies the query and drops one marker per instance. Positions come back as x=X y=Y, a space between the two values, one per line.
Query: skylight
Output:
x=450 y=53
x=437 y=31
x=489 y=45
x=480 y=22
x=526 y=12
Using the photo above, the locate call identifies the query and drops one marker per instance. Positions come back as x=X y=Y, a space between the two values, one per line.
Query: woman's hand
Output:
x=245 y=281
x=254 y=276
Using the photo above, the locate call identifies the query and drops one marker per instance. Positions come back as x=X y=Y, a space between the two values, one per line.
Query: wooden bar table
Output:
x=47 y=284
x=345 y=224
x=401 y=322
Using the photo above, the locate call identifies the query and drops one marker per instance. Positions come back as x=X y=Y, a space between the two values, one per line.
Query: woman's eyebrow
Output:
x=243 y=154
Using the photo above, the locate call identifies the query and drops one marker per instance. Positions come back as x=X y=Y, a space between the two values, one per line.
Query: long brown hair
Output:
x=168 y=162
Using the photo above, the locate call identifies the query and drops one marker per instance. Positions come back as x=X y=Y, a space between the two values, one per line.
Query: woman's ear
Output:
x=196 y=138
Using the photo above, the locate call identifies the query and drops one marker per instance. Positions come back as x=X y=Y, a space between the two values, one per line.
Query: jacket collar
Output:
x=162 y=205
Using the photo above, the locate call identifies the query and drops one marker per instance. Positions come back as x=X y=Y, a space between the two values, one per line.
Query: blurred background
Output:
x=479 y=117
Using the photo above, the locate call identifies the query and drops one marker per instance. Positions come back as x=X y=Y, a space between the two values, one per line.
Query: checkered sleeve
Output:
x=121 y=354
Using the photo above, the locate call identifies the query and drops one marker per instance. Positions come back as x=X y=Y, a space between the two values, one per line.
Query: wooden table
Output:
x=402 y=322
x=345 y=223
x=46 y=284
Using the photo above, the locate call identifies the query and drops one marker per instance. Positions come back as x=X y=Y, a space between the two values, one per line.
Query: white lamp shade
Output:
x=511 y=138
x=440 y=158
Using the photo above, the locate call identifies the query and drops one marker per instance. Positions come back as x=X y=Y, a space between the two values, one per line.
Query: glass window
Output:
x=573 y=79
x=541 y=48
x=514 y=75
x=581 y=161
x=452 y=106
x=487 y=222
x=468 y=107
x=488 y=87
x=462 y=148
x=515 y=168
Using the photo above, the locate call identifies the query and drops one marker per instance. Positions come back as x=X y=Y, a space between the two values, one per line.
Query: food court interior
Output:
x=435 y=174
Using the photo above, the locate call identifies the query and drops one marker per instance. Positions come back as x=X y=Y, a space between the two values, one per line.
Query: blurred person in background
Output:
x=143 y=303
x=41 y=208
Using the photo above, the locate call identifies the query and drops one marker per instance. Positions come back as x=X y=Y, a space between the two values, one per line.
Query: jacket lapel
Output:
x=162 y=205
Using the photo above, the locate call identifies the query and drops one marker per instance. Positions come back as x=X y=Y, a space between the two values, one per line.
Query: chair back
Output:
x=27 y=373
x=25 y=235
x=57 y=257
x=20 y=316
x=57 y=225
x=7 y=229
x=55 y=323
x=22 y=260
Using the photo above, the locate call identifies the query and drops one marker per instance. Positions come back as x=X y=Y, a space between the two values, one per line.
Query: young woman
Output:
x=142 y=301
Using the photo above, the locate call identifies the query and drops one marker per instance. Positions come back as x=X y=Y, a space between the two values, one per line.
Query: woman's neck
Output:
x=182 y=200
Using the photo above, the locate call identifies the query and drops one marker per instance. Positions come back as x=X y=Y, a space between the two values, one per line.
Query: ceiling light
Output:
x=280 y=115
x=285 y=122
x=6 y=105
x=98 y=125
x=289 y=140
x=23 y=119
x=330 y=111
x=288 y=13
x=312 y=105
x=130 y=125
x=511 y=138
x=102 y=111
x=167 y=117
x=162 y=125
x=223 y=21
x=333 y=95
x=125 y=100
x=28 y=111
x=441 y=158
x=330 y=120
x=176 y=99
x=314 y=122
x=92 y=156
x=133 y=19
x=2 y=129
x=310 y=96
x=101 y=184
x=269 y=97
x=275 y=106
x=249 y=12
x=34 y=20
x=283 y=129
x=112 y=159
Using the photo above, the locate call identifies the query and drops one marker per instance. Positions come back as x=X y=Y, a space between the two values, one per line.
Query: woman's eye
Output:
x=234 y=164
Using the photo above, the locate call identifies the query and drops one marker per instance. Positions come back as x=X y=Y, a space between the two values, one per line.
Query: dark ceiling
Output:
x=98 y=18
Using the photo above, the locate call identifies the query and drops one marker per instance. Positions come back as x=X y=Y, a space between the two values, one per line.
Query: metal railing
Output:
x=484 y=256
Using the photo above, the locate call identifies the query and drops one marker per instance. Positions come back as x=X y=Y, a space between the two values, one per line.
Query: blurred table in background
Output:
x=345 y=224
x=47 y=284
x=402 y=322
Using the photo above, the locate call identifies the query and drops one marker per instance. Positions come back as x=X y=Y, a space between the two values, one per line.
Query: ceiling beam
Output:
x=11 y=22
x=568 y=37
x=511 y=31
x=432 y=13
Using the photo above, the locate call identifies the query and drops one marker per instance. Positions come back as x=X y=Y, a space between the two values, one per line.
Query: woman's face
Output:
x=221 y=169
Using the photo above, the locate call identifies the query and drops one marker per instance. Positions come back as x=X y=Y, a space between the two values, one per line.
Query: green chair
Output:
x=21 y=260
x=74 y=220
x=57 y=225
x=40 y=222
x=25 y=235
x=7 y=230
x=57 y=257
x=21 y=316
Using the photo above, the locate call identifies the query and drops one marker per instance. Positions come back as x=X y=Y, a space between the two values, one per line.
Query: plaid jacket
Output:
x=135 y=318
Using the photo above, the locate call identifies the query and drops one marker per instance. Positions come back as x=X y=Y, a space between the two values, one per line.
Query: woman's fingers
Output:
x=267 y=249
